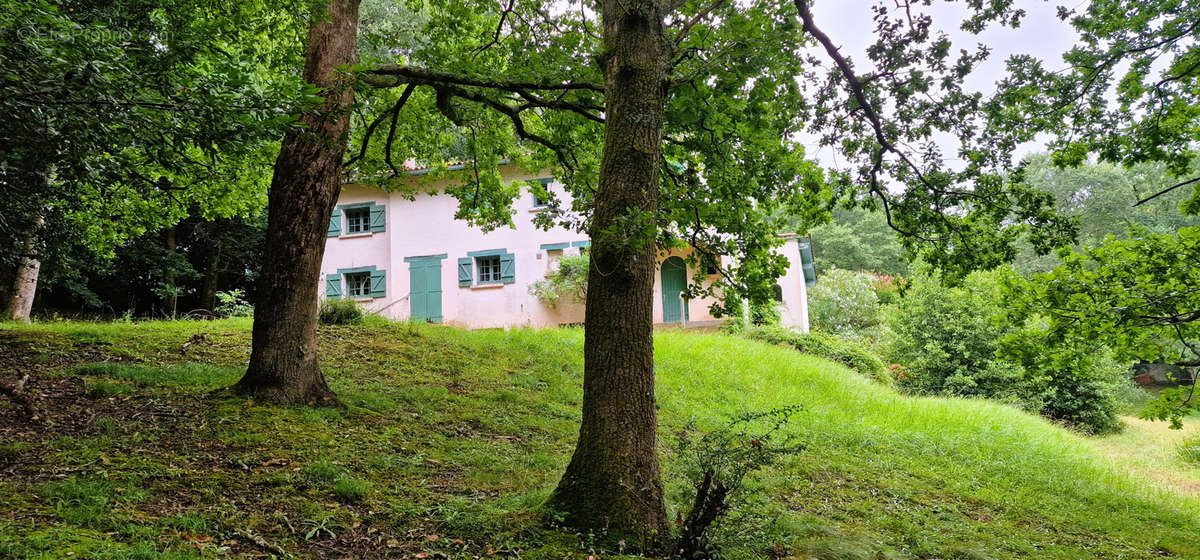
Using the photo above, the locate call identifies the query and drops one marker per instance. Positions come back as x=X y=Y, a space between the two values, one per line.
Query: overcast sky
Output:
x=1042 y=34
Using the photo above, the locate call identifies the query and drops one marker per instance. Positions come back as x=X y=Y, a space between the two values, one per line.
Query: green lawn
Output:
x=453 y=439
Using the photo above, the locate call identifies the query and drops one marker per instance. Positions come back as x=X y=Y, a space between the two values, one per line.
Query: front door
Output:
x=674 y=280
x=425 y=289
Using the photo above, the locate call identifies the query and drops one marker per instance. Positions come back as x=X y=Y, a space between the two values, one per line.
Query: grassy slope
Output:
x=461 y=435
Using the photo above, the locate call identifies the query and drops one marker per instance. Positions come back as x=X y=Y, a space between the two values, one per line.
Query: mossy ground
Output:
x=452 y=440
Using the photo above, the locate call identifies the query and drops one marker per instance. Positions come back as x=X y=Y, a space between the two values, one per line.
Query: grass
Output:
x=451 y=441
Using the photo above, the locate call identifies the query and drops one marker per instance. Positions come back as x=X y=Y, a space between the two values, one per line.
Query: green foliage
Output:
x=1189 y=449
x=1140 y=293
x=341 y=312
x=843 y=301
x=233 y=304
x=716 y=465
x=964 y=341
x=858 y=240
x=568 y=280
x=1102 y=198
x=123 y=118
x=826 y=346
x=351 y=489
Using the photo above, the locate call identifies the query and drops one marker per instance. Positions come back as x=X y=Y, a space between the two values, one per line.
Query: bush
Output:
x=233 y=304
x=340 y=312
x=568 y=280
x=961 y=341
x=826 y=346
x=843 y=301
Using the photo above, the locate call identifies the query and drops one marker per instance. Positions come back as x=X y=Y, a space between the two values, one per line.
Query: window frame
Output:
x=493 y=268
x=361 y=214
x=349 y=287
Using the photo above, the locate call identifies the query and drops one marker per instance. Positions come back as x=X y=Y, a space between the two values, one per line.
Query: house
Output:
x=407 y=258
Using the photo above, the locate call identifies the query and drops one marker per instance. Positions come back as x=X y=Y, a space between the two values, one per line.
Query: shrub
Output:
x=961 y=341
x=826 y=346
x=340 y=312
x=716 y=466
x=568 y=280
x=233 y=304
x=843 y=301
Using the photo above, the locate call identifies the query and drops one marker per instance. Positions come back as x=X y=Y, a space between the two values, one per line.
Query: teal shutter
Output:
x=378 y=218
x=508 y=268
x=378 y=283
x=464 y=272
x=806 y=262
x=335 y=224
x=333 y=286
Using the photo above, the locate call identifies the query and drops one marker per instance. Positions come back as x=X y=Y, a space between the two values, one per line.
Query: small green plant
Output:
x=340 y=312
x=351 y=489
x=568 y=280
x=100 y=389
x=718 y=463
x=233 y=304
x=1189 y=449
x=107 y=426
x=323 y=470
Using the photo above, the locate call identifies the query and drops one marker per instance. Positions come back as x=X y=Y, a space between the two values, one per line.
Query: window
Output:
x=541 y=193
x=358 y=284
x=489 y=269
x=358 y=220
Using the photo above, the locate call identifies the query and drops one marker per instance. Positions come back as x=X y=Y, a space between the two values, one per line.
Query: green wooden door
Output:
x=674 y=280
x=425 y=289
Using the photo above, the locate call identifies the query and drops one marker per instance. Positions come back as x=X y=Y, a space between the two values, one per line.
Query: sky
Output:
x=1042 y=34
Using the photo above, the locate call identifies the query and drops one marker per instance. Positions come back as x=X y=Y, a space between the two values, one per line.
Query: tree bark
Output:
x=612 y=483
x=283 y=358
x=169 y=279
x=212 y=270
x=19 y=304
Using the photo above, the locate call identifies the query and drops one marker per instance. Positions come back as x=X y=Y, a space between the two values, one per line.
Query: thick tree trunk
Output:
x=613 y=483
x=283 y=358
x=19 y=296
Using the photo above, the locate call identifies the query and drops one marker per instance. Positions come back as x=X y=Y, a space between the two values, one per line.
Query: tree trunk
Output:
x=169 y=279
x=613 y=483
x=20 y=294
x=212 y=271
x=283 y=358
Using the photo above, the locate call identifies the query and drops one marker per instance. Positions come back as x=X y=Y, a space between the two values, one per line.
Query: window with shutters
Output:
x=489 y=269
x=358 y=220
x=358 y=284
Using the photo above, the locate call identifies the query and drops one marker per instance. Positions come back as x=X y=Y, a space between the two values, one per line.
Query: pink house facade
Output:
x=409 y=259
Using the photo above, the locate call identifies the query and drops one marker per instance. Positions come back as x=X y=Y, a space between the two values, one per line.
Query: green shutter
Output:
x=333 y=286
x=335 y=224
x=378 y=283
x=806 y=262
x=378 y=218
x=508 y=268
x=464 y=271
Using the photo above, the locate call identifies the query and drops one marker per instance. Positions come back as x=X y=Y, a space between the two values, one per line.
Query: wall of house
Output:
x=424 y=226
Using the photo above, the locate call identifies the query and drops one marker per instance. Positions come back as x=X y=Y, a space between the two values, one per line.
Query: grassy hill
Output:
x=452 y=440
